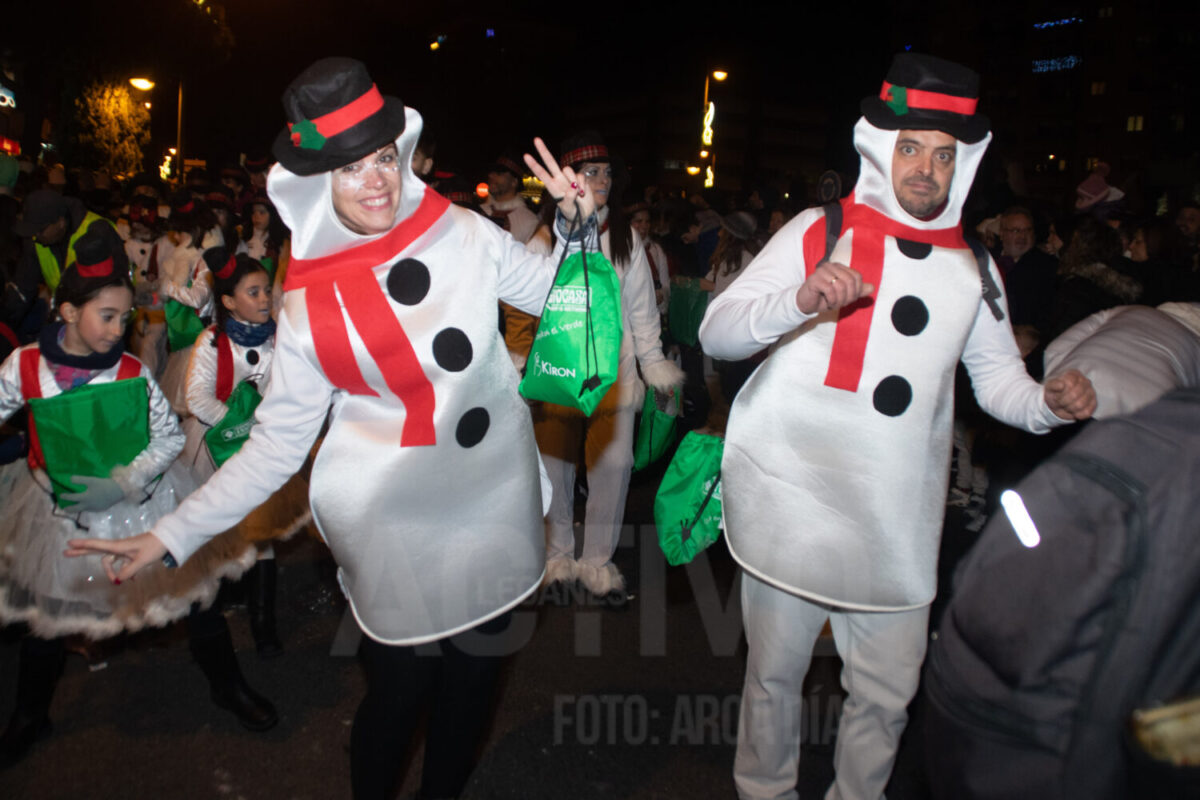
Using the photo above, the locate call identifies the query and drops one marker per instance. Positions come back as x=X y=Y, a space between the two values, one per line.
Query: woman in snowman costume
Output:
x=426 y=486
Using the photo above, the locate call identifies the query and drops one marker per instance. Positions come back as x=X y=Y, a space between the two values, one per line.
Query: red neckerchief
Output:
x=866 y=256
x=351 y=273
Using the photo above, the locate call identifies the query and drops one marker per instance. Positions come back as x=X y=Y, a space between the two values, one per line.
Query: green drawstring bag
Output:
x=89 y=430
x=656 y=431
x=184 y=325
x=687 y=509
x=227 y=436
x=685 y=312
x=577 y=348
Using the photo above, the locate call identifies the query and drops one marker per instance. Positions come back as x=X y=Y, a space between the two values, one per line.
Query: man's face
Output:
x=922 y=169
x=53 y=233
x=1188 y=222
x=1016 y=234
x=501 y=184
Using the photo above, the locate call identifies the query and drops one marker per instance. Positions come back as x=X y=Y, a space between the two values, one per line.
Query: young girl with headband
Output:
x=103 y=446
x=229 y=372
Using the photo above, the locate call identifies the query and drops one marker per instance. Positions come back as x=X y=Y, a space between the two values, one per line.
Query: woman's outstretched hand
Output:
x=122 y=558
x=563 y=184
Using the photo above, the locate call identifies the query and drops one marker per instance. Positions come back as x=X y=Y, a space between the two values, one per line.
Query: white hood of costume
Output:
x=874 y=187
x=305 y=203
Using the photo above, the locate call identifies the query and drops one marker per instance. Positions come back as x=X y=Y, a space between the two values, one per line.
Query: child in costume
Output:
x=147 y=249
x=185 y=285
x=426 y=487
x=229 y=371
x=103 y=447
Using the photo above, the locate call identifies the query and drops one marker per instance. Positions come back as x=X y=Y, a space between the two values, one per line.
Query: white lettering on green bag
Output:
x=569 y=299
x=542 y=367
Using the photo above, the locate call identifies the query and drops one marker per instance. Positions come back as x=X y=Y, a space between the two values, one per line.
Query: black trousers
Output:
x=455 y=679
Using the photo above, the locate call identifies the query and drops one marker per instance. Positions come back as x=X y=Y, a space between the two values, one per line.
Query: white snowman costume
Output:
x=426 y=486
x=836 y=453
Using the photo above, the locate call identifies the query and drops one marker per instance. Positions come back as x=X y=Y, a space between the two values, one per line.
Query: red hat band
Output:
x=101 y=269
x=226 y=271
x=310 y=134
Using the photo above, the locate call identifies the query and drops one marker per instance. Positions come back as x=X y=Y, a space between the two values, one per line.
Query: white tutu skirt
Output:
x=58 y=596
x=174 y=381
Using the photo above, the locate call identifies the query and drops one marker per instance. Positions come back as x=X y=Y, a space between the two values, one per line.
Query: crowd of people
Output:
x=355 y=302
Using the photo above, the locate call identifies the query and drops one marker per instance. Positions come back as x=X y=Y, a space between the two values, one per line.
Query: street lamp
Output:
x=706 y=134
x=145 y=85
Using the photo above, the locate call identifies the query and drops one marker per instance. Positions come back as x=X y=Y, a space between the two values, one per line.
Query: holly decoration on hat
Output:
x=897 y=100
x=306 y=135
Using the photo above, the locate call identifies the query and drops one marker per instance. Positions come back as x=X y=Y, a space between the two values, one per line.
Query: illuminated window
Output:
x=1098 y=87
x=1134 y=123
x=1092 y=163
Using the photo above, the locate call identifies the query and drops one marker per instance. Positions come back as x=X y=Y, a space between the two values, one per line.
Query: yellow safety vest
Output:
x=51 y=271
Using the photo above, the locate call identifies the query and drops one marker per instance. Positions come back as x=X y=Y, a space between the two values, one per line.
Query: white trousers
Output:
x=881 y=654
x=607 y=442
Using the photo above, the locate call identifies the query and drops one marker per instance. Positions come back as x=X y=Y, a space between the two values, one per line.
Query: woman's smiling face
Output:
x=599 y=179
x=366 y=194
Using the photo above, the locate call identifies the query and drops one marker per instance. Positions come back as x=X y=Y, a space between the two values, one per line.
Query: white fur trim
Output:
x=602 y=579
x=665 y=375
x=562 y=569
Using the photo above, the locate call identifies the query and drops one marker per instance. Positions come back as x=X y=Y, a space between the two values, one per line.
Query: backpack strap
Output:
x=833 y=226
x=991 y=292
x=10 y=336
x=130 y=368
x=224 y=367
x=31 y=389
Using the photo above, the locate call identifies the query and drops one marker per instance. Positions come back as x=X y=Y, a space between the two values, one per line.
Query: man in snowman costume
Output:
x=836 y=453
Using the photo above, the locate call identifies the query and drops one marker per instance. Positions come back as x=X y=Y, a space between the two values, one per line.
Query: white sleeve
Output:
x=525 y=273
x=166 y=442
x=760 y=306
x=639 y=309
x=11 y=398
x=195 y=295
x=202 y=382
x=289 y=420
x=1002 y=386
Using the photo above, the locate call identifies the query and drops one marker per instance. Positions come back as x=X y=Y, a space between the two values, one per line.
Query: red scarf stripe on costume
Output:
x=351 y=274
x=307 y=271
x=387 y=343
x=9 y=335
x=866 y=256
x=332 y=342
x=224 y=367
x=932 y=101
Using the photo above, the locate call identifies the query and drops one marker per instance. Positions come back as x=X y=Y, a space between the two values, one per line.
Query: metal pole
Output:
x=179 y=136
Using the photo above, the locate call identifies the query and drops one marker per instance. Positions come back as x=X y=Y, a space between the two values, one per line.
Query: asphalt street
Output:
x=638 y=703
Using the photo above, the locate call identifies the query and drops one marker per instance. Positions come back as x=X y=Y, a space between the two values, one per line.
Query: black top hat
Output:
x=928 y=93
x=336 y=115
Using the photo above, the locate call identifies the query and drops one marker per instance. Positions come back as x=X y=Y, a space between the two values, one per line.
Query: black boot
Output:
x=38 y=671
x=260 y=600
x=212 y=647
